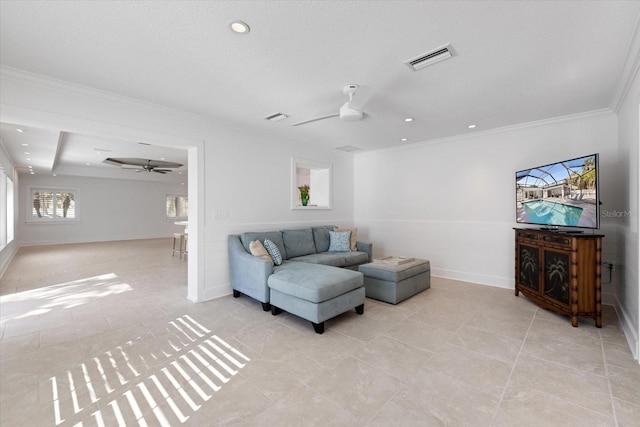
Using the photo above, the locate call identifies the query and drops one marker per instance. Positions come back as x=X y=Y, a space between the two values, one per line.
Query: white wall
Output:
x=453 y=201
x=628 y=298
x=110 y=209
x=242 y=175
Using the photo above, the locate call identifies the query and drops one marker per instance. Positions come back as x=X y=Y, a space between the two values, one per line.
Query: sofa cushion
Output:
x=339 y=241
x=313 y=282
x=274 y=236
x=355 y=258
x=273 y=251
x=353 y=238
x=334 y=259
x=321 y=237
x=257 y=249
x=298 y=242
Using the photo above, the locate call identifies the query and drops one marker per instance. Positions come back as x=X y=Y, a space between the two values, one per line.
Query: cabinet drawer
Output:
x=563 y=242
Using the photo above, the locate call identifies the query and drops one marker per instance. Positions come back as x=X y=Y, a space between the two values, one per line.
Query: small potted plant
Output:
x=304 y=194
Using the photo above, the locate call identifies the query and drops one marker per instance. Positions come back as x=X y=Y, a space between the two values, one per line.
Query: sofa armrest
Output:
x=365 y=247
x=248 y=273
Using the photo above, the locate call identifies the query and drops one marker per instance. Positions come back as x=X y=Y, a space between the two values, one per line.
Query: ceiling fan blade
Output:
x=361 y=97
x=161 y=170
x=316 y=119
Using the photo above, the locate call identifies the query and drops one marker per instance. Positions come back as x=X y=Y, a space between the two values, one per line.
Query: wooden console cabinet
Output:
x=561 y=272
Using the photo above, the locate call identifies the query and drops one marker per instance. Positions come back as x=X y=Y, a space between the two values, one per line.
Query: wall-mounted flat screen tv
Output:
x=561 y=194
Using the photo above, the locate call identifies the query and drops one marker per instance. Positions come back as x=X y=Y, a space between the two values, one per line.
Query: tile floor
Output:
x=103 y=335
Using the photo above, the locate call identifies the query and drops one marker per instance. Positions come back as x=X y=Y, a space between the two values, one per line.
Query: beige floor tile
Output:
x=572 y=385
x=489 y=344
x=586 y=335
x=477 y=370
x=417 y=334
x=301 y=407
x=587 y=358
x=356 y=386
x=619 y=355
x=625 y=384
x=525 y=407
x=627 y=414
x=445 y=401
x=102 y=332
x=393 y=357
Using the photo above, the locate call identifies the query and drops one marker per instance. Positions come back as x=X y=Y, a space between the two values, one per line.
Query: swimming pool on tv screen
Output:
x=553 y=213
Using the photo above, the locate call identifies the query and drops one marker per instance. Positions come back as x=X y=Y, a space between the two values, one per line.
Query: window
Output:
x=176 y=206
x=10 y=210
x=4 y=209
x=316 y=178
x=53 y=205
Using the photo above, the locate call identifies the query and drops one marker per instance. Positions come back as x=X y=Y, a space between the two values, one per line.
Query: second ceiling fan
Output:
x=351 y=111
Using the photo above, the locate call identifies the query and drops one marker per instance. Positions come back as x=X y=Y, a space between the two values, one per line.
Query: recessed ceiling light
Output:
x=404 y=139
x=471 y=126
x=25 y=144
x=28 y=159
x=88 y=164
x=27 y=153
x=239 y=27
x=33 y=173
x=408 y=119
x=19 y=130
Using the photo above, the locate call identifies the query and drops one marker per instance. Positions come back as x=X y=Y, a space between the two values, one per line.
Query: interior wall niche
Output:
x=318 y=177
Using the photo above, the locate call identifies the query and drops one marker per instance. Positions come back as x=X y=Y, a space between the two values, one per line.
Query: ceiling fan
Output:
x=351 y=111
x=144 y=165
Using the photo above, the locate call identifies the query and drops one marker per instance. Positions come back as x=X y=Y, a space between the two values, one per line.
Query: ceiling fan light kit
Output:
x=351 y=111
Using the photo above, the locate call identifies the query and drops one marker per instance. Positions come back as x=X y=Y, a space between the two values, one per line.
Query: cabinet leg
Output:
x=598 y=321
x=517 y=292
x=574 y=321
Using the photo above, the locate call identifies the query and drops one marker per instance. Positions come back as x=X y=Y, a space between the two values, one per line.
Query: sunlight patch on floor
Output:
x=64 y=295
x=154 y=381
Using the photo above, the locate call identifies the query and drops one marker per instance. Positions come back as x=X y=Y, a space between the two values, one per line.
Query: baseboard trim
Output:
x=480 y=279
x=629 y=331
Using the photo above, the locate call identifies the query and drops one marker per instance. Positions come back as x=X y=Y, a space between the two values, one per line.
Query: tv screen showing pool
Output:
x=561 y=194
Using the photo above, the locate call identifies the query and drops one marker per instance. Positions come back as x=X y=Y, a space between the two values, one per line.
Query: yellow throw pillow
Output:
x=257 y=249
x=354 y=236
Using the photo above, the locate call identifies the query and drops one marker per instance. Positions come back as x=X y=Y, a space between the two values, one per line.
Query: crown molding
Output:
x=629 y=71
x=511 y=128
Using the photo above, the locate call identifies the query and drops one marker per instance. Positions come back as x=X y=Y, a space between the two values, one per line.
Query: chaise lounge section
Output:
x=313 y=281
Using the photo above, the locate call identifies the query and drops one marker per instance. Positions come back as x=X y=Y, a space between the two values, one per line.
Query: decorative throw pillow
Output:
x=354 y=236
x=257 y=249
x=339 y=241
x=273 y=251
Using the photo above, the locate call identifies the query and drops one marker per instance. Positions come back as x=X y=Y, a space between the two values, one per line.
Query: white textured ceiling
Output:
x=515 y=61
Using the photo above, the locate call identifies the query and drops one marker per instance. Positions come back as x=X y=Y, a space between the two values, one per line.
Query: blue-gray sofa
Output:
x=312 y=282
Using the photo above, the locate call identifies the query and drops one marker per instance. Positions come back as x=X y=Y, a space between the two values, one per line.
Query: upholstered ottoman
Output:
x=395 y=283
x=315 y=292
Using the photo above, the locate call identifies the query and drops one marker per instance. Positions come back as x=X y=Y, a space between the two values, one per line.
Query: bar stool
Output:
x=178 y=240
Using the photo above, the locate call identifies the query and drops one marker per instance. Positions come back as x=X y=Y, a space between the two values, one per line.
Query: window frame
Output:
x=33 y=219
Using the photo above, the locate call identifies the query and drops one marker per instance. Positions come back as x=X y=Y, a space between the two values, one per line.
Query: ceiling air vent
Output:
x=276 y=117
x=430 y=58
